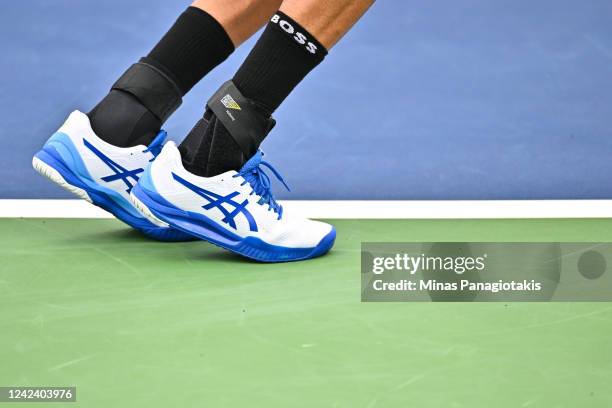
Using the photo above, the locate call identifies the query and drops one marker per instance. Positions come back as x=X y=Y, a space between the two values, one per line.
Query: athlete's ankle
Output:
x=150 y=90
x=209 y=150
x=121 y=120
x=233 y=133
x=228 y=135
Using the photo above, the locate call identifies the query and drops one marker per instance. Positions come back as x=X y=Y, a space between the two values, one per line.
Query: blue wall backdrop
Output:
x=471 y=99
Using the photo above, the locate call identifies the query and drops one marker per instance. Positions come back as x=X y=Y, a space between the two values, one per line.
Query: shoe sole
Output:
x=204 y=228
x=55 y=170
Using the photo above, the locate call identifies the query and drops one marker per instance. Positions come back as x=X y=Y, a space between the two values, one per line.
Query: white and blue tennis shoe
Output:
x=78 y=160
x=234 y=210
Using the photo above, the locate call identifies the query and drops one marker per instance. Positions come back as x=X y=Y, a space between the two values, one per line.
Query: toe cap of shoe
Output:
x=304 y=233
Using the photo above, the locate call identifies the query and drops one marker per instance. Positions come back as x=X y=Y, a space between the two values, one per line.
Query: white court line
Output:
x=356 y=209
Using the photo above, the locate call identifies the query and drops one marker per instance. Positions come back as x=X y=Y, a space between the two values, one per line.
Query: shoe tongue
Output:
x=252 y=162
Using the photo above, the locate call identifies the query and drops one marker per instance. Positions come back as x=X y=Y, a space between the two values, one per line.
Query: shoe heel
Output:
x=50 y=167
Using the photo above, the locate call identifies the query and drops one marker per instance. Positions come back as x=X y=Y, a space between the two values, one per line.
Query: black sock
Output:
x=284 y=54
x=282 y=57
x=193 y=46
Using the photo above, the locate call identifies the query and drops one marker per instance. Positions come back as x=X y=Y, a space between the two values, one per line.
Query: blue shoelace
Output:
x=253 y=173
x=157 y=144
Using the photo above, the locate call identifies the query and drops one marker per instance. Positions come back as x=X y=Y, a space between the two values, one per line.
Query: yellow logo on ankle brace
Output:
x=229 y=102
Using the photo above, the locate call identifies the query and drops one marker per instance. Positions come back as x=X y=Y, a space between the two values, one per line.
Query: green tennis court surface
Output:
x=136 y=323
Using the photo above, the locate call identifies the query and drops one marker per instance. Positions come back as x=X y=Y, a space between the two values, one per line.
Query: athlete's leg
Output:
x=202 y=37
x=241 y=18
x=294 y=42
x=206 y=188
x=327 y=20
x=101 y=156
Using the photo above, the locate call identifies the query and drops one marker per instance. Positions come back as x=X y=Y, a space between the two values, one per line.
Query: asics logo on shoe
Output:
x=229 y=102
x=119 y=172
x=218 y=201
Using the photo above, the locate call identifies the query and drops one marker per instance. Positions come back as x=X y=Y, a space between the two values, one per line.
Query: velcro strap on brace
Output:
x=241 y=117
x=154 y=89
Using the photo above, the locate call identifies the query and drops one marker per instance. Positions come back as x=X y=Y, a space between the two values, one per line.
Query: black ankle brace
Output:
x=246 y=122
x=155 y=90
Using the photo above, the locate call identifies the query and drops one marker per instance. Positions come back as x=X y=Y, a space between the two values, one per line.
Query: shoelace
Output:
x=260 y=182
x=157 y=144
